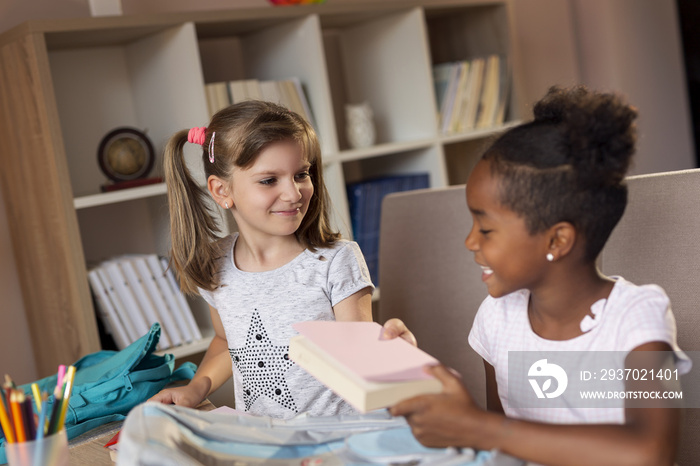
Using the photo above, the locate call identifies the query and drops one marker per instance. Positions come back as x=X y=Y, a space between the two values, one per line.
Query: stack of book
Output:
x=365 y=202
x=471 y=94
x=132 y=292
x=287 y=92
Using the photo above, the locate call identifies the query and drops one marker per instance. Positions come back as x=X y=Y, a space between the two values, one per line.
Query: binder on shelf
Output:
x=106 y=311
x=166 y=315
x=181 y=301
x=143 y=300
x=365 y=201
x=125 y=296
x=159 y=272
x=354 y=361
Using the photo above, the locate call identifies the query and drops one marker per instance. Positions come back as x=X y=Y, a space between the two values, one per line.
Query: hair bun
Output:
x=599 y=130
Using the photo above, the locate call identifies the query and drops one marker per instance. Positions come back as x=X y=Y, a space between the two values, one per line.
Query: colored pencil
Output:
x=61 y=374
x=18 y=417
x=41 y=426
x=70 y=376
x=7 y=428
x=29 y=422
x=55 y=412
x=37 y=397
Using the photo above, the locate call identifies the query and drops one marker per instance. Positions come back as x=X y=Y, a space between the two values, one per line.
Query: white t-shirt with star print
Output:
x=257 y=310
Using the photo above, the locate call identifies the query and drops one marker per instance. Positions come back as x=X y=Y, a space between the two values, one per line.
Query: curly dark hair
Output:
x=569 y=163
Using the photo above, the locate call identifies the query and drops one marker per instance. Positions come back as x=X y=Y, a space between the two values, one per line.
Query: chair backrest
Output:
x=429 y=279
x=657 y=241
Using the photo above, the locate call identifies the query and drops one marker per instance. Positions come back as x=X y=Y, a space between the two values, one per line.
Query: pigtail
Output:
x=192 y=226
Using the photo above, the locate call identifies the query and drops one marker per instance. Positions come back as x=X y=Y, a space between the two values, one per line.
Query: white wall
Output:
x=630 y=46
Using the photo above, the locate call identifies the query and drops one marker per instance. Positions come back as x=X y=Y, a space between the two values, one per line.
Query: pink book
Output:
x=355 y=361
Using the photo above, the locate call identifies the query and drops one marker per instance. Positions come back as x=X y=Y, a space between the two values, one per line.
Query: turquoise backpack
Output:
x=108 y=384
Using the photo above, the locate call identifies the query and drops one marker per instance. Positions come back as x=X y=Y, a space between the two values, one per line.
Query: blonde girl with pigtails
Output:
x=285 y=264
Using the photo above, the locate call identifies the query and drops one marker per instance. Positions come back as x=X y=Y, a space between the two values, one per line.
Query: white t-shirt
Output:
x=257 y=310
x=631 y=316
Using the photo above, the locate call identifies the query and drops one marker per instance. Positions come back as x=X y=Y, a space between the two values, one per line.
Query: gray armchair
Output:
x=429 y=279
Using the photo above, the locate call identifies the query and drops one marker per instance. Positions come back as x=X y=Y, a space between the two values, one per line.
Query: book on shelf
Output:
x=217 y=96
x=181 y=302
x=125 y=299
x=471 y=94
x=144 y=300
x=106 y=312
x=155 y=267
x=365 y=202
x=237 y=91
x=353 y=360
x=156 y=294
x=488 y=104
x=287 y=92
x=134 y=291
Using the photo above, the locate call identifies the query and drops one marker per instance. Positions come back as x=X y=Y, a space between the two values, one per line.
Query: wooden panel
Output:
x=39 y=202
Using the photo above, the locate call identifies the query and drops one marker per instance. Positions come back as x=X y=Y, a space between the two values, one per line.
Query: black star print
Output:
x=263 y=366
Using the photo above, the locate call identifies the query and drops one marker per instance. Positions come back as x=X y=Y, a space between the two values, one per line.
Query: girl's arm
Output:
x=451 y=418
x=358 y=307
x=212 y=373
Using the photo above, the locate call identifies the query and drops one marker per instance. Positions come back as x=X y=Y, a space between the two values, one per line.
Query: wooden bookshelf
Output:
x=65 y=83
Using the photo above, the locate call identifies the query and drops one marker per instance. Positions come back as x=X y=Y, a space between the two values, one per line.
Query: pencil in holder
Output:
x=51 y=450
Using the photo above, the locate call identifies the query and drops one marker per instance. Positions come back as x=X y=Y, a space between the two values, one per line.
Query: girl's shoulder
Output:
x=338 y=247
x=628 y=294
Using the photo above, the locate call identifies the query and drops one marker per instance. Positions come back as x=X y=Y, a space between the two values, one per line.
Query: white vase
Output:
x=359 y=120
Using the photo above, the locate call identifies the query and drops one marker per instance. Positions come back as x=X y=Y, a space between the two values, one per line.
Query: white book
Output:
x=354 y=361
x=159 y=272
x=181 y=301
x=476 y=80
x=304 y=101
x=489 y=93
x=252 y=89
x=126 y=296
x=448 y=102
x=237 y=91
x=270 y=91
x=143 y=299
x=166 y=315
x=119 y=307
x=108 y=314
x=459 y=98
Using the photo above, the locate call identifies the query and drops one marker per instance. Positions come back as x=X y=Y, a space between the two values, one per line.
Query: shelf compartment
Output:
x=153 y=84
x=277 y=51
x=383 y=61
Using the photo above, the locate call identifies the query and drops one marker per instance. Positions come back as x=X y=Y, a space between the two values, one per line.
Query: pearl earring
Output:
x=550 y=256
x=226 y=204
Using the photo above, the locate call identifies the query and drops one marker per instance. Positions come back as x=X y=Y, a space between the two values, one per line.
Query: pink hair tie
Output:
x=197 y=135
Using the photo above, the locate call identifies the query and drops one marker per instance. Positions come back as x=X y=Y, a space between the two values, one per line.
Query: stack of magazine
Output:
x=132 y=292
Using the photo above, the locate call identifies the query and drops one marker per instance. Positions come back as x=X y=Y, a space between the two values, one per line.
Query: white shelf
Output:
x=384 y=149
x=188 y=349
x=477 y=134
x=141 y=192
